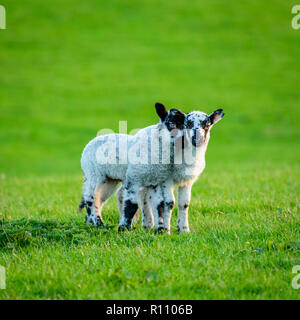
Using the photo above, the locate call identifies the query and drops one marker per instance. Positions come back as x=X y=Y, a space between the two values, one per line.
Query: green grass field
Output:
x=71 y=68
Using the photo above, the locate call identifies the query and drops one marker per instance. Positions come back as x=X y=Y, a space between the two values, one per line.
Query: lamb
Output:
x=198 y=126
x=187 y=163
x=102 y=175
x=105 y=161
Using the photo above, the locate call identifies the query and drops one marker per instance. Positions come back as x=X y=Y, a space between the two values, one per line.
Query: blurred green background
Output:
x=70 y=68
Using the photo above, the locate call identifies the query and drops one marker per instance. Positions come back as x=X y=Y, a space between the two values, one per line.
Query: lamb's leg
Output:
x=129 y=205
x=120 y=196
x=184 y=197
x=157 y=204
x=169 y=201
x=105 y=190
x=144 y=204
x=89 y=196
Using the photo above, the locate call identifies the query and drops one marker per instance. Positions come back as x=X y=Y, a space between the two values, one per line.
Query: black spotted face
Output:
x=195 y=125
x=173 y=119
x=198 y=125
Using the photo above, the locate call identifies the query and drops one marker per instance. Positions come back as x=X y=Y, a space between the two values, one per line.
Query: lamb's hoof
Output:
x=160 y=230
x=148 y=227
x=100 y=222
x=183 y=230
x=167 y=231
x=124 y=228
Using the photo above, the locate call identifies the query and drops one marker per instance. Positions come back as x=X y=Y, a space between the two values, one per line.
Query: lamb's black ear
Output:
x=178 y=117
x=161 y=110
x=216 y=116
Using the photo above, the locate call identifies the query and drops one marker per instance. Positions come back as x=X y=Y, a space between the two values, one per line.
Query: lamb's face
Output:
x=195 y=125
x=198 y=125
x=172 y=120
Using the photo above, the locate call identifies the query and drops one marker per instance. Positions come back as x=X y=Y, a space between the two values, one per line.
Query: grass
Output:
x=72 y=68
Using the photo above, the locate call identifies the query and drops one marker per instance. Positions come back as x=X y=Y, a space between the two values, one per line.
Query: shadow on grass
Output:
x=29 y=232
